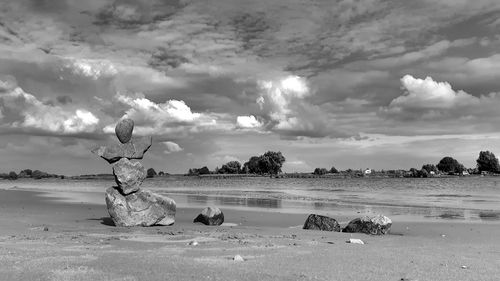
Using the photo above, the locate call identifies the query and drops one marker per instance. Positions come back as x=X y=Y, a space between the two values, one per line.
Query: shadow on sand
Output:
x=105 y=221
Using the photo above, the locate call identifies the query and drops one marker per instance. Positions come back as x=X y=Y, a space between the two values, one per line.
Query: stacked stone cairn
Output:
x=127 y=203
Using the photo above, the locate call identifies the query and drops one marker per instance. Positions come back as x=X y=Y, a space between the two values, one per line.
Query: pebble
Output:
x=193 y=243
x=355 y=241
x=46 y=228
x=238 y=258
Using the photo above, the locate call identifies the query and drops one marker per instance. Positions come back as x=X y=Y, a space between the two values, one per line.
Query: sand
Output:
x=45 y=239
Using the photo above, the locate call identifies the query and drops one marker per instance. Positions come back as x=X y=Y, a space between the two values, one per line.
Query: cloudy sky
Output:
x=345 y=83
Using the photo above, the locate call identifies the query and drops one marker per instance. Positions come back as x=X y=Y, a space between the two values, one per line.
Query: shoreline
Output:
x=41 y=239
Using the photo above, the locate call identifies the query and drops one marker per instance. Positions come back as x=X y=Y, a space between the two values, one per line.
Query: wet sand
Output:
x=45 y=239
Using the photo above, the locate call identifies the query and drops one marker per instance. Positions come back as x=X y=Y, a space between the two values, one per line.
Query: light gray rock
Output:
x=324 y=223
x=128 y=175
x=210 y=216
x=142 y=208
x=123 y=130
x=133 y=149
x=377 y=225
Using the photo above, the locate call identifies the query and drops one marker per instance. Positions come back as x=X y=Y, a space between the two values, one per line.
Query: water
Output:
x=457 y=198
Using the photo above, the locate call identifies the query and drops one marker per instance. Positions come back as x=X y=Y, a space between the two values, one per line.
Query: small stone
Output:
x=124 y=130
x=238 y=258
x=464 y=267
x=142 y=208
x=318 y=222
x=210 y=216
x=45 y=228
x=193 y=243
x=377 y=225
x=128 y=175
x=355 y=241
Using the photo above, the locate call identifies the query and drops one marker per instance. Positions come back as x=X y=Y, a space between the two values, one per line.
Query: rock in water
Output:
x=128 y=175
x=142 y=208
x=377 y=225
x=133 y=149
x=124 y=130
x=319 y=222
x=210 y=216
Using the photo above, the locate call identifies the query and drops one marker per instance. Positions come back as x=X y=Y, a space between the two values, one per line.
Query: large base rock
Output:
x=142 y=208
x=210 y=216
x=128 y=175
x=377 y=225
x=319 y=222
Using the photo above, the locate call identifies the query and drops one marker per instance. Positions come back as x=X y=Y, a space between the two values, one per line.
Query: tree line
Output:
x=269 y=163
x=487 y=162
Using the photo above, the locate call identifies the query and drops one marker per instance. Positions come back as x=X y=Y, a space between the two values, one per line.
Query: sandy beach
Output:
x=45 y=239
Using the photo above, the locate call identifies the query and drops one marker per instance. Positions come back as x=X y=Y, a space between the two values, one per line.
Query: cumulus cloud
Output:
x=161 y=118
x=93 y=68
x=431 y=100
x=171 y=147
x=247 y=122
x=23 y=110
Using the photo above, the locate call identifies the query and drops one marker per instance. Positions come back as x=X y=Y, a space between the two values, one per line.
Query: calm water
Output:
x=460 y=198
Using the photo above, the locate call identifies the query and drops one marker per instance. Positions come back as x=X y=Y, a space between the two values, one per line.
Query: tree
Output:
x=151 y=173
x=252 y=166
x=203 y=171
x=12 y=176
x=232 y=167
x=450 y=165
x=271 y=162
x=37 y=174
x=487 y=162
x=333 y=170
x=320 y=171
x=430 y=168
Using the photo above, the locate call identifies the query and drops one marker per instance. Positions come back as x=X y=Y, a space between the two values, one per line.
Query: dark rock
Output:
x=142 y=208
x=210 y=216
x=377 y=225
x=128 y=175
x=133 y=149
x=318 y=222
x=124 y=130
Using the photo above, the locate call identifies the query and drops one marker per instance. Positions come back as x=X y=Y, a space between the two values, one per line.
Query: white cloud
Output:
x=171 y=147
x=172 y=116
x=23 y=110
x=247 y=122
x=429 y=94
x=428 y=99
x=93 y=68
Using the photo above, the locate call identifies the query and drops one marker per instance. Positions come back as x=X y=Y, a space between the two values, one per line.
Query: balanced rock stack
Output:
x=127 y=203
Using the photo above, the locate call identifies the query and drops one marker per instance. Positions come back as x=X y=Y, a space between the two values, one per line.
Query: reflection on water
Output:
x=457 y=198
x=341 y=209
x=234 y=201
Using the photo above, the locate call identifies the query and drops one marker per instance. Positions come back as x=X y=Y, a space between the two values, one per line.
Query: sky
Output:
x=381 y=84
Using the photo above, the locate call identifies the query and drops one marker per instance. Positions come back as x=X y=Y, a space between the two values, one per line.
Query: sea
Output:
x=467 y=199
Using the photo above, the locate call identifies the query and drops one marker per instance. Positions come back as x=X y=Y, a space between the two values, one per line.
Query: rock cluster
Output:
x=377 y=225
x=127 y=203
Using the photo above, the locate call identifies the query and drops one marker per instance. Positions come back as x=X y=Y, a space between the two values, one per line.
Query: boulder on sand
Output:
x=377 y=225
x=210 y=216
x=128 y=175
x=318 y=222
x=142 y=208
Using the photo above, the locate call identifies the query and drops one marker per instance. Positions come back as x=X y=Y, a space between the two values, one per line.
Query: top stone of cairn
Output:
x=124 y=130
